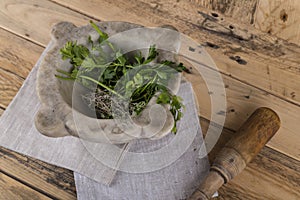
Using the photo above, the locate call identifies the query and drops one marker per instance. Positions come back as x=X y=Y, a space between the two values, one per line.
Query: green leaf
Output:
x=102 y=35
x=176 y=102
x=121 y=59
x=76 y=53
x=138 y=79
x=152 y=54
x=139 y=58
x=74 y=73
x=108 y=74
x=161 y=74
x=129 y=85
x=180 y=67
x=163 y=98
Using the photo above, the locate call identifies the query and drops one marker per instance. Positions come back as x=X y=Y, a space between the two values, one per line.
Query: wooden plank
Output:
x=271 y=175
x=9 y=86
x=11 y=189
x=33 y=19
x=241 y=10
x=280 y=18
x=55 y=181
x=253 y=184
x=19 y=56
x=276 y=72
x=16 y=55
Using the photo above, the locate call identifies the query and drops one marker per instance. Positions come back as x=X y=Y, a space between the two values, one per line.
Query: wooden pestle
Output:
x=239 y=151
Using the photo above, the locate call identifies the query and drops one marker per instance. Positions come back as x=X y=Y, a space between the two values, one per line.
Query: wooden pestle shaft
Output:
x=239 y=151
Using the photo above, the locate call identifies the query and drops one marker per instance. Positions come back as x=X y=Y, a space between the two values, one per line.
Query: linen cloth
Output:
x=173 y=182
x=18 y=133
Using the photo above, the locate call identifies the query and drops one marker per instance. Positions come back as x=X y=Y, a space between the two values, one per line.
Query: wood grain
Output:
x=265 y=69
x=242 y=100
x=273 y=71
x=33 y=19
x=242 y=11
x=9 y=86
x=17 y=56
x=52 y=180
x=12 y=189
x=280 y=18
x=257 y=181
x=275 y=17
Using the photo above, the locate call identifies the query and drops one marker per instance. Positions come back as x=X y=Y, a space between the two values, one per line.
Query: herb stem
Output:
x=102 y=85
x=103 y=35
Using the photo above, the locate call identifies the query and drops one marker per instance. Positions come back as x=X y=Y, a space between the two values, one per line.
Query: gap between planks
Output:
x=16 y=181
x=12 y=189
x=53 y=181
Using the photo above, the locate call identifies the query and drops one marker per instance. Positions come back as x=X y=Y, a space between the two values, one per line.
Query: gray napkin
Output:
x=175 y=181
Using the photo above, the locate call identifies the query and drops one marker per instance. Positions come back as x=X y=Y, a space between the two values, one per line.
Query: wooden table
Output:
x=258 y=67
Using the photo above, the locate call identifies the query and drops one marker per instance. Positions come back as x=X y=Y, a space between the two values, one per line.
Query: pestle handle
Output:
x=239 y=151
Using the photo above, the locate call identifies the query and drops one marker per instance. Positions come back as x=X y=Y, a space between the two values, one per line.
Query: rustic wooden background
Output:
x=254 y=43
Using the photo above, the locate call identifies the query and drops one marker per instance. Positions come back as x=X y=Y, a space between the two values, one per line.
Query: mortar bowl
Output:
x=63 y=112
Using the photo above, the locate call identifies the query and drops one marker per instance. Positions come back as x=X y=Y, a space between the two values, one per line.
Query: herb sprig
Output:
x=149 y=79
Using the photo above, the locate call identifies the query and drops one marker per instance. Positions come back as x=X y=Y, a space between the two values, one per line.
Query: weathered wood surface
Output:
x=243 y=11
x=280 y=18
x=9 y=85
x=268 y=78
x=275 y=17
x=259 y=70
x=242 y=100
x=12 y=189
x=17 y=57
x=32 y=19
x=53 y=181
